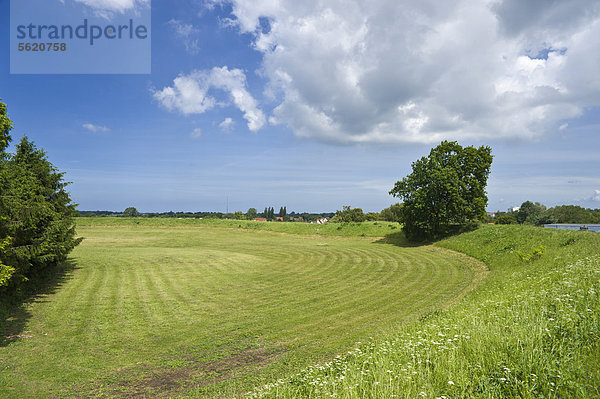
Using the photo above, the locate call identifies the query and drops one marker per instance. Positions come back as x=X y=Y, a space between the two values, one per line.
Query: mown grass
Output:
x=186 y=308
x=366 y=229
x=530 y=330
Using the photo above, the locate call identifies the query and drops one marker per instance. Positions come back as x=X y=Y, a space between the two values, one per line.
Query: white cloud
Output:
x=596 y=196
x=188 y=34
x=189 y=94
x=226 y=125
x=350 y=71
x=196 y=133
x=95 y=128
x=106 y=7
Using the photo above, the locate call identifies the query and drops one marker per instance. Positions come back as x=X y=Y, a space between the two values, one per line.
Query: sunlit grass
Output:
x=192 y=309
x=365 y=229
x=530 y=330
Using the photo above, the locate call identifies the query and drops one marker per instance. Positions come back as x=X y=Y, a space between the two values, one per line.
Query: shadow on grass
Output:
x=15 y=314
x=399 y=240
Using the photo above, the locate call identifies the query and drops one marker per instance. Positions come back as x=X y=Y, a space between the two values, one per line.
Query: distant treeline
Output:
x=537 y=214
x=347 y=214
x=205 y=215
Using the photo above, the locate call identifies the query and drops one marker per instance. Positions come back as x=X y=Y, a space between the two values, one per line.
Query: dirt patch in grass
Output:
x=143 y=381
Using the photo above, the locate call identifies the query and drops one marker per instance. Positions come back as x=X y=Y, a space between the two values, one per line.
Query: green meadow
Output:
x=531 y=329
x=201 y=308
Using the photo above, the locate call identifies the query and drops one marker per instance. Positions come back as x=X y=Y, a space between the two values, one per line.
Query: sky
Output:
x=314 y=105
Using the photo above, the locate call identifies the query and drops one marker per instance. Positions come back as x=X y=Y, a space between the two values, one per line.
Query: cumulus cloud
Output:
x=226 y=125
x=596 y=196
x=422 y=70
x=190 y=94
x=188 y=34
x=95 y=128
x=196 y=133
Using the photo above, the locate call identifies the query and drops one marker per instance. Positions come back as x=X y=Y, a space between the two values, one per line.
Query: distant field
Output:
x=163 y=307
x=366 y=229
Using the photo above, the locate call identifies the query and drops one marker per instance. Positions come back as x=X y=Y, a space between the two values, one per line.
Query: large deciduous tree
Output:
x=6 y=271
x=445 y=193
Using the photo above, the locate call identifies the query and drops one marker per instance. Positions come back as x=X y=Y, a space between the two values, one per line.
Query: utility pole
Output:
x=227 y=211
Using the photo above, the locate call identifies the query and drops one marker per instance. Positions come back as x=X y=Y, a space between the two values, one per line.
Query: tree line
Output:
x=538 y=214
x=36 y=214
x=252 y=213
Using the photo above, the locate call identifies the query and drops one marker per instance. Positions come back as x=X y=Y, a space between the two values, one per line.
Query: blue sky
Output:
x=315 y=105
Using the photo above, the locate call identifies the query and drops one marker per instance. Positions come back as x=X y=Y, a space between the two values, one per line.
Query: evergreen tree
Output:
x=36 y=213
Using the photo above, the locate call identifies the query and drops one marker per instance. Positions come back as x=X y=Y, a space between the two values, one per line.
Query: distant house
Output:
x=279 y=218
x=492 y=215
x=322 y=221
x=514 y=209
x=260 y=219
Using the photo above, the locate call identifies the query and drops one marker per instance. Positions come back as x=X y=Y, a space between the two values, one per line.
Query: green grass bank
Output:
x=530 y=330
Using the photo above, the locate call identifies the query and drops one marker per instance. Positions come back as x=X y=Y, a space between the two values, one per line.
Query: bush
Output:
x=347 y=215
x=506 y=218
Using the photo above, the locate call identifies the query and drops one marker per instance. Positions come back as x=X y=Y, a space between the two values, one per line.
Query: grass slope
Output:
x=191 y=309
x=530 y=330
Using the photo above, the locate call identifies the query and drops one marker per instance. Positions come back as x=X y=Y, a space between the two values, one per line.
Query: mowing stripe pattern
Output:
x=212 y=312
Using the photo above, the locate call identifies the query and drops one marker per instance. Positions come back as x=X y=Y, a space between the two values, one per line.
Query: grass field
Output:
x=531 y=329
x=158 y=307
x=365 y=229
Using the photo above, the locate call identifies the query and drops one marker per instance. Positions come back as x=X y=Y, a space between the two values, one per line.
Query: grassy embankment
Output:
x=530 y=330
x=160 y=307
x=366 y=229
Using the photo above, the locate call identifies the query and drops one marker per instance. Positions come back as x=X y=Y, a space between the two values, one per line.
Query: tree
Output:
x=393 y=213
x=572 y=214
x=38 y=230
x=5 y=128
x=251 y=214
x=506 y=218
x=529 y=212
x=372 y=216
x=6 y=271
x=348 y=214
x=131 y=212
x=445 y=193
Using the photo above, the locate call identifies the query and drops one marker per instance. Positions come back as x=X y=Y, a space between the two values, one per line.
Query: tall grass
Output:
x=531 y=330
